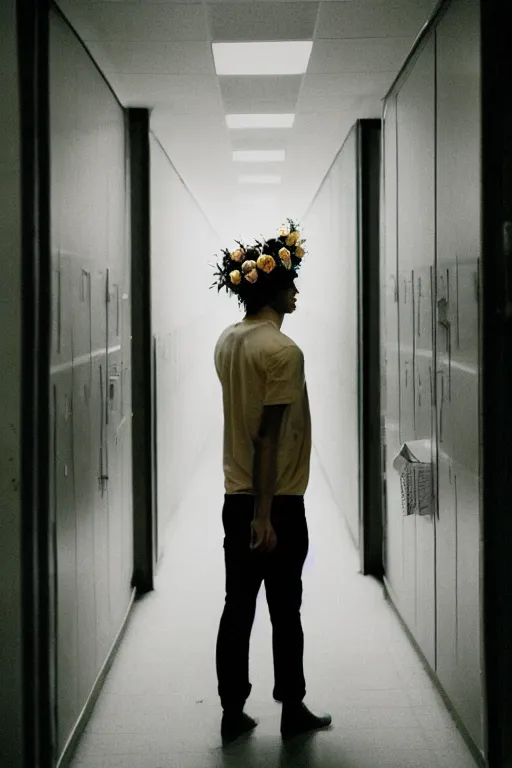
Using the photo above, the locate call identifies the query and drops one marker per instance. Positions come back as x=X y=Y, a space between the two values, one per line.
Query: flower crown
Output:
x=262 y=266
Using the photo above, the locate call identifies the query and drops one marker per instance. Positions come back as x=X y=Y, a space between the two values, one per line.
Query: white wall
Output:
x=325 y=327
x=187 y=320
x=10 y=434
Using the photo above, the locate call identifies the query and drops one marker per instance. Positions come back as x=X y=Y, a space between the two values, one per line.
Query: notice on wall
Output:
x=414 y=465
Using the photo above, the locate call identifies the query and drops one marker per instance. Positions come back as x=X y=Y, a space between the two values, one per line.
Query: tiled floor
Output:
x=159 y=707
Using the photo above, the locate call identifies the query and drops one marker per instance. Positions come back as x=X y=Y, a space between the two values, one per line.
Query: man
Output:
x=267 y=445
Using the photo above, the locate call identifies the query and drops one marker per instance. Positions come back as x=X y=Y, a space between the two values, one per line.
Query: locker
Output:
x=99 y=462
x=389 y=355
x=425 y=429
x=437 y=149
x=84 y=490
x=458 y=243
x=67 y=680
x=416 y=256
x=114 y=441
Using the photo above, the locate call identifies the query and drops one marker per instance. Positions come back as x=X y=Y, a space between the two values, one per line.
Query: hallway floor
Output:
x=159 y=707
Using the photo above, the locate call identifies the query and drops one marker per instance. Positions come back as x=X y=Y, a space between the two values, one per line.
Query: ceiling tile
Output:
x=384 y=54
x=150 y=58
x=285 y=88
x=251 y=106
x=263 y=138
x=265 y=21
x=267 y=169
x=324 y=92
x=394 y=18
x=260 y=95
x=193 y=94
x=119 y=21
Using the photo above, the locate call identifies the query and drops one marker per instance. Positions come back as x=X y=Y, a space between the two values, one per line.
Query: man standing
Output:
x=267 y=446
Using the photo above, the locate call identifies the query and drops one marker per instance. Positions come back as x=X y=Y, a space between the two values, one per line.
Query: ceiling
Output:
x=158 y=54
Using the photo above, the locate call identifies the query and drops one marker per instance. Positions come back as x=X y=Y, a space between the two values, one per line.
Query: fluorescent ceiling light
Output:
x=289 y=58
x=259 y=156
x=259 y=179
x=260 y=121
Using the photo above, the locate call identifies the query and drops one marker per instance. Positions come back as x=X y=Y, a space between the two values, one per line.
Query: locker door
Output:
x=459 y=236
x=446 y=535
x=390 y=362
x=64 y=505
x=425 y=429
x=416 y=256
x=114 y=435
x=83 y=471
x=405 y=276
x=99 y=461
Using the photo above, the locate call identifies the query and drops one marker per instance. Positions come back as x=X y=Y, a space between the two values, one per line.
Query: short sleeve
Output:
x=284 y=377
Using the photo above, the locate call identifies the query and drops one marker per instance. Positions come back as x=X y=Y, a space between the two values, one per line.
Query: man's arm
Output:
x=265 y=474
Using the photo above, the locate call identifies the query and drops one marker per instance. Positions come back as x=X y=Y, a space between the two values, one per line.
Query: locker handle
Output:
x=112 y=387
x=442 y=313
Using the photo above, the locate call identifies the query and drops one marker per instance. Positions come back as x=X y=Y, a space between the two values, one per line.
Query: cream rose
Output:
x=285 y=256
x=283 y=232
x=299 y=252
x=252 y=276
x=235 y=277
x=248 y=266
x=237 y=255
x=266 y=263
x=292 y=238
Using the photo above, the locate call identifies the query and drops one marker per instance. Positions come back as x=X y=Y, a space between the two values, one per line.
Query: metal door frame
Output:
x=368 y=149
x=496 y=403
x=33 y=63
x=143 y=374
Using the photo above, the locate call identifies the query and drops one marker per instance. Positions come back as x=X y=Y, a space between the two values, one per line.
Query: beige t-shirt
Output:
x=258 y=365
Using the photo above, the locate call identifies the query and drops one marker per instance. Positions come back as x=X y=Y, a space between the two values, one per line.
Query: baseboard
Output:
x=477 y=755
x=84 y=716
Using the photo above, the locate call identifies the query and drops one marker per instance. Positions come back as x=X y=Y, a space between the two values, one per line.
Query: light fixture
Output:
x=259 y=156
x=260 y=121
x=259 y=179
x=286 y=58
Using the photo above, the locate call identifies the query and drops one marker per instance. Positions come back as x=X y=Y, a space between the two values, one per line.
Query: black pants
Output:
x=281 y=570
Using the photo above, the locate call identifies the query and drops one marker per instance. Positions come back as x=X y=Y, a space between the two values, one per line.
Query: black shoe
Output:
x=297 y=719
x=234 y=725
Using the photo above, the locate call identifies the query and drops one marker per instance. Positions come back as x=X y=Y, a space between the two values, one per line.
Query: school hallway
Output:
x=159 y=707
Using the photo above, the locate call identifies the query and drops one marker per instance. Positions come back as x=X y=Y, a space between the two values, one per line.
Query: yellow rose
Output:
x=285 y=256
x=248 y=266
x=283 y=232
x=266 y=263
x=292 y=238
x=237 y=255
x=252 y=276
x=235 y=277
x=299 y=252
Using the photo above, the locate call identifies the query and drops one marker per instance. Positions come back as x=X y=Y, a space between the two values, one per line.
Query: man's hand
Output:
x=264 y=537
